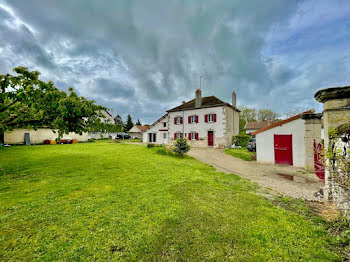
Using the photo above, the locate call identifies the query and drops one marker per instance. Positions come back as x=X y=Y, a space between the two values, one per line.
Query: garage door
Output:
x=283 y=149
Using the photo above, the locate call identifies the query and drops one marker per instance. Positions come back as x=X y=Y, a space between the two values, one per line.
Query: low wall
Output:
x=16 y=137
x=100 y=135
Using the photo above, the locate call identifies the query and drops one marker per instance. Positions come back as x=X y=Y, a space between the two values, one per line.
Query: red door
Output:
x=283 y=149
x=210 y=138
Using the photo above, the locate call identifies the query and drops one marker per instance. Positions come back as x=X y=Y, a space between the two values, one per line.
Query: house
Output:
x=137 y=130
x=204 y=121
x=107 y=117
x=251 y=127
x=289 y=141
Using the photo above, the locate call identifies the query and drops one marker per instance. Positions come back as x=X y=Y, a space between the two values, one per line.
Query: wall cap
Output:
x=332 y=93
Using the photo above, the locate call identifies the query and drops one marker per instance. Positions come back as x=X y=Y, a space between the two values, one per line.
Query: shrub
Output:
x=241 y=140
x=91 y=140
x=162 y=151
x=181 y=146
x=150 y=145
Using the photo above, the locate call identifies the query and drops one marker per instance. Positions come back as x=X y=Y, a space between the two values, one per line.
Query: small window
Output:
x=106 y=121
x=178 y=135
x=164 y=124
x=193 y=119
x=210 y=118
x=178 y=120
x=164 y=136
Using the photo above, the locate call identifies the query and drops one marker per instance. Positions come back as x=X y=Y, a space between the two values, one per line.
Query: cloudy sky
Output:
x=143 y=57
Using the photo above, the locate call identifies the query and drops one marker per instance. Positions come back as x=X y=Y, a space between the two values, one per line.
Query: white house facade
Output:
x=204 y=122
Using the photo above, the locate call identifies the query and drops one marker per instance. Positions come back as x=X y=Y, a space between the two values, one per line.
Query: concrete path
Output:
x=286 y=180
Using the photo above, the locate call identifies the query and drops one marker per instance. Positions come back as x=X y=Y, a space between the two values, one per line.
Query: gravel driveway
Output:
x=286 y=180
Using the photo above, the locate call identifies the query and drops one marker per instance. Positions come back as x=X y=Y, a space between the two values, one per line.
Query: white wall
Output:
x=38 y=136
x=159 y=134
x=265 y=152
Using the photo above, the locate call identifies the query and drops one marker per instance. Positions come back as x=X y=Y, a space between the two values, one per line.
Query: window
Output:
x=164 y=136
x=164 y=124
x=106 y=121
x=210 y=118
x=193 y=136
x=178 y=120
x=152 y=137
x=193 y=119
x=177 y=135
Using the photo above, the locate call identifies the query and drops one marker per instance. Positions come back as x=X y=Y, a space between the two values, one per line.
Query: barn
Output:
x=290 y=141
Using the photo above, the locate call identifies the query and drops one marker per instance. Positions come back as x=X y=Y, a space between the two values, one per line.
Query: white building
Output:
x=289 y=141
x=137 y=130
x=204 y=121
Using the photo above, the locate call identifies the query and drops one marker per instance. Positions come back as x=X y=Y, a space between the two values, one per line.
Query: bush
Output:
x=91 y=140
x=162 y=151
x=181 y=146
x=150 y=145
x=241 y=140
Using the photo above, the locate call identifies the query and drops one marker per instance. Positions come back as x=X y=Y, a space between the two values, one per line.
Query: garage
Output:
x=290 y=141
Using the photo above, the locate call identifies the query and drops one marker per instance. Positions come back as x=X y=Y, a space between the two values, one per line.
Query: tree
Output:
x=295 y=111
x=266 y=114
x=181 y=146
x=129 y=124
x=246 y=115
x=28 y=102
x=118 y=120
x=138 y=122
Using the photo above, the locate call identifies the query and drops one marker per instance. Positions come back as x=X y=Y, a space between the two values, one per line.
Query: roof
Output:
x=156 y=122
x=142 y=128
x=280 y=123
x=207 y=101
x=257 y=125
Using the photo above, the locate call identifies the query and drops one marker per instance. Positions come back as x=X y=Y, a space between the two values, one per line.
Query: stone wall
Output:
x=312 y=132
x=16 y=137
x=336 y=112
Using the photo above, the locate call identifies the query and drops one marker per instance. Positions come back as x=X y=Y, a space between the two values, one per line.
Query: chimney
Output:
x=183 y=102
x=234 y=98
x=198 y=98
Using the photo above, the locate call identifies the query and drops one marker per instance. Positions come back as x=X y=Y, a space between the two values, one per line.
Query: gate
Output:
x=318 y=160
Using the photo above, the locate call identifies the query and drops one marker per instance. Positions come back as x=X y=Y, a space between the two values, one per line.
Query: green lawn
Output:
x=242 y=153
x=109 y=201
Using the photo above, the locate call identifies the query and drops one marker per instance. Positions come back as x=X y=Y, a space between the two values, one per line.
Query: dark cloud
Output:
x=144 y=57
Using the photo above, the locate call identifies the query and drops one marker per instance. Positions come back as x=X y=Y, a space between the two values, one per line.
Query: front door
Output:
x=165 y=138
x=210 y=138
x=283 y=149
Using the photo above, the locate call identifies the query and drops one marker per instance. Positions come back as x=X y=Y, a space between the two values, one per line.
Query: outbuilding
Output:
x=290 y=141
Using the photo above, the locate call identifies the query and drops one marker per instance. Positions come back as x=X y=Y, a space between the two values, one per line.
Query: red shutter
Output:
x=197 y=136
x=206 y=118
x=175 y=120
x=189 y=136
x=175 y=136
x=189 y=119
x=196 y=119
x=214 y=117
x=181 y=120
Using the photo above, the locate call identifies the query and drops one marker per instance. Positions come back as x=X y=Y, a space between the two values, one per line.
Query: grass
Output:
x=107 y=201
x=241 y=153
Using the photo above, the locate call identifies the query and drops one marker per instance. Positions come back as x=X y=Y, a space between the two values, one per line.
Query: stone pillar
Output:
x=336 y=112
x=312 y=132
